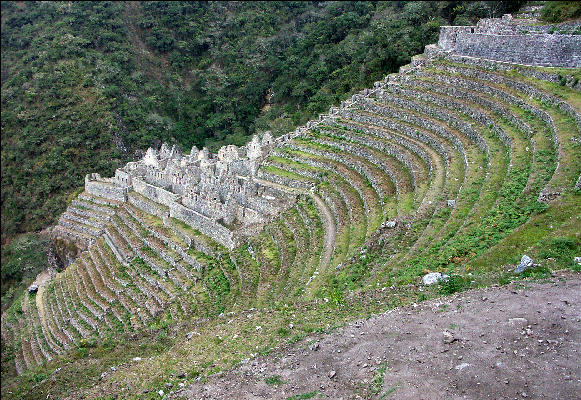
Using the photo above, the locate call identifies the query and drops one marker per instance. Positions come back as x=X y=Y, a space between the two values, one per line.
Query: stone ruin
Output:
x=381 y=144
x=218 y=195
x=516 y=41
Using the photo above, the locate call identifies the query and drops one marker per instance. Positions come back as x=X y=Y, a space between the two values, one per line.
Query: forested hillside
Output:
x=86 y=84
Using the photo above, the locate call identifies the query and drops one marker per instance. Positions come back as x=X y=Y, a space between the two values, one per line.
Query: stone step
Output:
x=483 y=64
x=84 y=196
x=55 y=323
x=396 y=161
x=334 y=163
x=138 y=243
x=303 y=241
x=147 y=205
x=404 y=149
x=46 y=319
x=361 y=165
x=89 y=303
x=498 y=93
x=424 y=123
x=105 y=297
x=158 y=229
x=27 y=354
x=71 y=312
x=442 y=122
x=73 y=235
x=287 y=242
x=89 y=314
x=97 y=218
x=95 y=207
x=39 y=351
x=78 y=224
x=74 y=215
x=61 y=318
x=472 y=104
x=372 y=158
x=406 y=130
x=100 y=276
x=401 y=132
x=129 y=297
x=49 y=344
x=333 y=193
x=431 y=156
x=523 y=87
x=192 y=237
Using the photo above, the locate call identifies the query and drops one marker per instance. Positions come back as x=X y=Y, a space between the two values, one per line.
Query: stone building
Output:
x=217 y=194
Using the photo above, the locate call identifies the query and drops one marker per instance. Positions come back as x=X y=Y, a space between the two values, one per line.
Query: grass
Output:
x=274 y=380
x=378 y=377
x=264 y=306
x=304 y=396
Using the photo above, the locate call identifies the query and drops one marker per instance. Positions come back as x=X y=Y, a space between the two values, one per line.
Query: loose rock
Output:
x=434 y=277
x=525 y=263
x=448 y=337
x=460 y=367
x=522 y=322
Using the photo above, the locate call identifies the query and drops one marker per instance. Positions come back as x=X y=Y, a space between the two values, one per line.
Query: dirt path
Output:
x=330 y=233
x=514 y=342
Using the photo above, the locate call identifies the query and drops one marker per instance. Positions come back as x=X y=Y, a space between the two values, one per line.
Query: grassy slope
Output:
x=550 y=236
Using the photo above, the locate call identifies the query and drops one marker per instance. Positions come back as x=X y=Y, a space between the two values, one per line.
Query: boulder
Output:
x=525 y=263
x=433 y=277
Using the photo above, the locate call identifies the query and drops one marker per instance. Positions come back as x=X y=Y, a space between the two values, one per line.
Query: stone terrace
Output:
x=448 y=145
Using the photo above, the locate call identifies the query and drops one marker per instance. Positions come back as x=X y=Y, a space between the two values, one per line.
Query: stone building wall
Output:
x=103 y=187
x=515 y=41
x=203 y=224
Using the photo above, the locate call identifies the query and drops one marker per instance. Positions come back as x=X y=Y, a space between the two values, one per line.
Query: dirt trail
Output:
x=514 y=342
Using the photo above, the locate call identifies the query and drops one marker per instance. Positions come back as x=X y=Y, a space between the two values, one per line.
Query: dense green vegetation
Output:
x=560 y=11
x=22 y=260
x=86 y=84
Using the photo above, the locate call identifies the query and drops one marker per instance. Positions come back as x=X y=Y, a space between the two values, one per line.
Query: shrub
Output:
x=455 y=283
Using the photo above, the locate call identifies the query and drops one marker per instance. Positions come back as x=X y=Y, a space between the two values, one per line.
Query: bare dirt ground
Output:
x=512 y=342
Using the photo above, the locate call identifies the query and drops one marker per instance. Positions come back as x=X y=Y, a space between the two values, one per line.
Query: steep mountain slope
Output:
x=85 y=85
x=456 y=165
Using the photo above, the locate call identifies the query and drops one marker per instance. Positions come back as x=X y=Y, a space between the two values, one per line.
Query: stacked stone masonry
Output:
x=515 y=41
x=412 y=144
